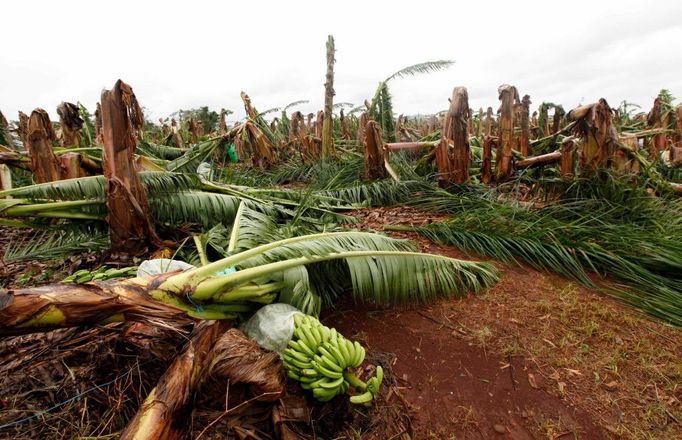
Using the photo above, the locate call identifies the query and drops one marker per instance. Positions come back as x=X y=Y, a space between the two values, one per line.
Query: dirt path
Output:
x=535 y=357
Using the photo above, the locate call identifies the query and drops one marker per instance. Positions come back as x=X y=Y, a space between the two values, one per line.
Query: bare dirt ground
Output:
x=535 y=357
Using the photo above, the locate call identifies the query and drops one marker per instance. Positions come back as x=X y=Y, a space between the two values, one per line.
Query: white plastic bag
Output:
x=161 y=265
x=272 y=326
x=205 y=170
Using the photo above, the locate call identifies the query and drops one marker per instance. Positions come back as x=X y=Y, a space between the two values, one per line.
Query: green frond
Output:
x=294 y=104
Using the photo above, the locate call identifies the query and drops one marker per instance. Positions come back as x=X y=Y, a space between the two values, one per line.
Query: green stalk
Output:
x=177 y=282
x=234 y=236
x=257 y=293
x=200 y=250
x=213 y=286
x=23 y=210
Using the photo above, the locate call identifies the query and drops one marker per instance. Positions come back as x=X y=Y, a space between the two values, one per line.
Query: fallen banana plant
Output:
x=374 y=267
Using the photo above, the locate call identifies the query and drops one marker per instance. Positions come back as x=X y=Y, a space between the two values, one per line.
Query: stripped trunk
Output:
x=534 y=125
x=54 y=306
x=6 y=140
x=327 y=138
x=345 y=131
x=71 y=124
x=319 y=124
x=524 y=138
x=309 y=122
x=452 y=152
x=487 y=162
x=375 y=153
x=489 y=122
x=222 y=122
x=166 y=412
x=5 y=177
x=98 y=124
x=676 y=149
x=568 y=148
x=364 y=118
x=5 y=135
x=177 y=137
x=557 y=119
x=503 y=159
x=23 y=128
x=658 y=118
x=599 y=137
x=194 y=132
x=130 y=224
x=40 y=135
x=622 y=161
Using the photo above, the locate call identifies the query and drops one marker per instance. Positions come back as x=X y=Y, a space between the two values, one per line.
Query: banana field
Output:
x=137 y=255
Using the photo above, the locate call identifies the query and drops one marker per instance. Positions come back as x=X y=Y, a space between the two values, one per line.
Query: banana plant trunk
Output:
x=165 y=413
x=507 y=95
x=129 y=218
x=524 y=138
x=487 y=162
x=71 y=124
x=568 y=148
x=676 y=149
x=658 y=118
x=39 y=137
x=49 y=307
x=594 y=125
x=453 y=153
x=327 y=137
x=375 y=152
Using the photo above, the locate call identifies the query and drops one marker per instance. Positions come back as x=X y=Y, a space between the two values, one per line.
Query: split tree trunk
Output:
x=538 y=161
x=71 y=124
x=504 y=164
x=489 y=122
x=130 y=224
x=345 y=131
x=5 y=140
x=487 y=162
x=375 y=153
x=599 y=137
x=165 y=414
x=524 y=138
x=39 y=137
x=658 y=118
x=568 y=148
x=45 y=308
x=23 y=128
x=676 y=149
x=177 y=137
x=327 y=128
x=452 y=153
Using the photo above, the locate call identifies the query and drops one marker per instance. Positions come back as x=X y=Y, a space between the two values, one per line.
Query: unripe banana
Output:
x=332 y=385
x=343 y=348
x=360 y=354
x=340 y=360
x=296 y=355
x=361 y=398
x=326 y=372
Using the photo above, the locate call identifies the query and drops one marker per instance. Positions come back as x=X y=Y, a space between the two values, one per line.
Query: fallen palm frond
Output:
x=377 y=269
x=630 y=237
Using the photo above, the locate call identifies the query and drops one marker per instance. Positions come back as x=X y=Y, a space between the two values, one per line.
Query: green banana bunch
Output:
x=100 y=274
x=322 y=360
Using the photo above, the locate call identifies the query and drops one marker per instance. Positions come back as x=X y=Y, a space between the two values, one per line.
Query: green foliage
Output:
x=208 y=118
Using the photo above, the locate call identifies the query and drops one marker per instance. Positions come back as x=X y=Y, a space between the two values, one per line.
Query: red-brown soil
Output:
x=535 y=357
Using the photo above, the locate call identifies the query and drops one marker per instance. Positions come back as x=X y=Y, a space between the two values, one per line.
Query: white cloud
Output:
x=185 y=54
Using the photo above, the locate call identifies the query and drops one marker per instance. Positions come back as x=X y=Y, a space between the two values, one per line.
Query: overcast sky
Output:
x=193 y=53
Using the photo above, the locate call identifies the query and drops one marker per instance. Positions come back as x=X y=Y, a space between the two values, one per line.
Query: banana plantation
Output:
x=386 y=236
